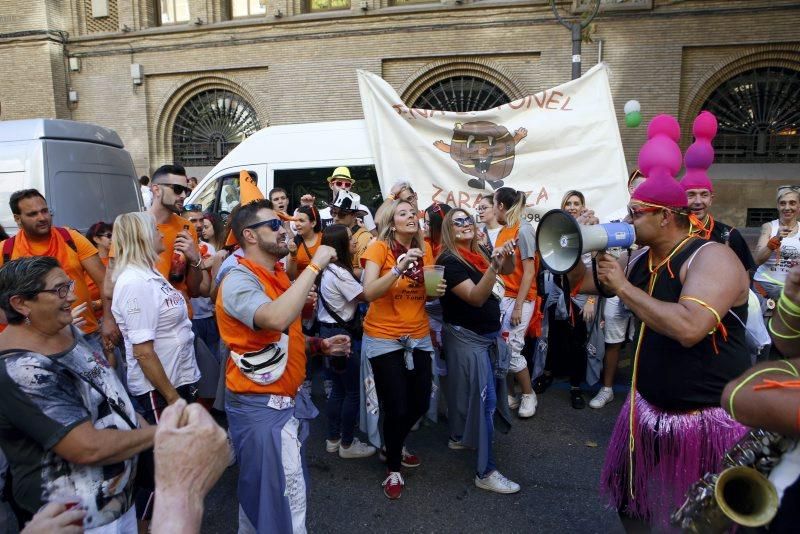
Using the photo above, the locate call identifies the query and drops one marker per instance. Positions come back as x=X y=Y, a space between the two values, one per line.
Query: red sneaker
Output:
x=408 y=459
x=393 y=485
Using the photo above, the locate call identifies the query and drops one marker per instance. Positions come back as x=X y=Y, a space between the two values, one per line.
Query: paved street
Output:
x=556 y=457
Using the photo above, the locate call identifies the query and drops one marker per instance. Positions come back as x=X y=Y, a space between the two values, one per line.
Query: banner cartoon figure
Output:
x=544 y=144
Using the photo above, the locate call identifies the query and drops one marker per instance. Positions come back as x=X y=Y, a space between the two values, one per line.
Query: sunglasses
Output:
x=62 y=291
x=343 y=184
x=635 y=213
x=274 y=225
x=108 y=235
x=178 y=189
x=192 y=207
x=461 y=222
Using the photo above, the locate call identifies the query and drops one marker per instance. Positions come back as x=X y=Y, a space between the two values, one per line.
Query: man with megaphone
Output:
x=684 y=291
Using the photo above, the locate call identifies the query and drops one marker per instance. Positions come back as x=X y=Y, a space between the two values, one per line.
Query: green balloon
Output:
x=633 y=119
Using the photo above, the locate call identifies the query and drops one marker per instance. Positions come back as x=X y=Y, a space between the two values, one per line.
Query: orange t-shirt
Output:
x=513 y=280
x=94 y=291
x=70 y=261
x=401 y=310
x=242 y=339
x=304 y=258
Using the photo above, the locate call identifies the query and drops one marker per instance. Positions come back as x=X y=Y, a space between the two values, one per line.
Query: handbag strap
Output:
x=336 y=317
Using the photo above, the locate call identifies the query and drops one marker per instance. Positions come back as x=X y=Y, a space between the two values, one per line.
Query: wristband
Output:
x=395 y=271
x=315 y=345
x=791 y=307
x=314 y=267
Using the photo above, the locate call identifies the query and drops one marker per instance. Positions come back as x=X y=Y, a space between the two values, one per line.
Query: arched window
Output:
x=461 y=93
x=210 y=125
x=759 y=117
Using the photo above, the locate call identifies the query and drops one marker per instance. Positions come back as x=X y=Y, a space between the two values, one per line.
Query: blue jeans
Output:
x=489 y=406
x=343 y=402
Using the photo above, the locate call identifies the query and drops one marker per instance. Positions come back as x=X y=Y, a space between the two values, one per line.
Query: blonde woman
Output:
x=154 y=321
x=516 y=307
x=396 y=347
x=471 y=327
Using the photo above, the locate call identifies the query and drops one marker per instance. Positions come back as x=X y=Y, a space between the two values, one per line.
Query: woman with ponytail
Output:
x=471 y=328
x=305 y=242
x=516 y=307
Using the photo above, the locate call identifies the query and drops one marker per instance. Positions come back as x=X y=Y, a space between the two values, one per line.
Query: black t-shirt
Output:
x=481 y=320
x=728 y=235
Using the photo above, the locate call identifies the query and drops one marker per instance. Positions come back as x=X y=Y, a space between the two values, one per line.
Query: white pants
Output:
x=515 y=335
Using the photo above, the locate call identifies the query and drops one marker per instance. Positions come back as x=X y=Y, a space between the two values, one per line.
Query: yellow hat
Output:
x=340 y=172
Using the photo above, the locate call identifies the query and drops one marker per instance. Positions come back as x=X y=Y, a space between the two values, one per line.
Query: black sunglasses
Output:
x=108 y=235
x=274 y=224
x=178 y=188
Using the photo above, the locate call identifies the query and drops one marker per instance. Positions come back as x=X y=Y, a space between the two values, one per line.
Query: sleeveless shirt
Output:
x=777 y=266
x=676 y=378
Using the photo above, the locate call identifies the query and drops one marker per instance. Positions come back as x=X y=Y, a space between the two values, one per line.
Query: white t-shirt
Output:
x=147 y=308
x=202 y=306
x=339 y=289
x=493 y=234
x=147 y=195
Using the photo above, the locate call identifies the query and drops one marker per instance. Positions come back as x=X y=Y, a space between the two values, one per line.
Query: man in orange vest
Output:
x=76 y=255
x=258 y=313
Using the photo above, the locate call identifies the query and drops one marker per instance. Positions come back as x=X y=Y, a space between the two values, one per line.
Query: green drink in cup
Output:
x=433 y=275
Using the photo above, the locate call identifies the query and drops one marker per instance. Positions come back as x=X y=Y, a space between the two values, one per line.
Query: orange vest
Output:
x=242 y=339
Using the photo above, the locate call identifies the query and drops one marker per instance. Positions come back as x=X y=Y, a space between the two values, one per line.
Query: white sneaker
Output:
x=456 y=445
x=527 y=406
x=497 y=483
x=332 y=445
x=513 y=402
x=356 y=450
x=603 y=397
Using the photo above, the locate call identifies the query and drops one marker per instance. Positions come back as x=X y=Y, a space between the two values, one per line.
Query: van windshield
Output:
x=314 y=180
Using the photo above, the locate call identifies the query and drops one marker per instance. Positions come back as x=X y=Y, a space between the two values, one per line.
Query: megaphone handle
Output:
x=597 y=283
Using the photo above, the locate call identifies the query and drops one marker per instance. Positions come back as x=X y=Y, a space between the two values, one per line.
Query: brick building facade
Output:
x=293 y=61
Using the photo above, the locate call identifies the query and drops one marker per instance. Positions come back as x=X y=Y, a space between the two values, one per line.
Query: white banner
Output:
x=545 y=144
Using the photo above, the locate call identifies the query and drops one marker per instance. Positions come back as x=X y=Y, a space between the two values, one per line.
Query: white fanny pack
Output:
x=499 y=288
x=266 y=365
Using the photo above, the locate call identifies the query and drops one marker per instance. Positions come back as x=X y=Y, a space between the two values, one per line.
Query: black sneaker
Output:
x=578 y=402
x=542 y=382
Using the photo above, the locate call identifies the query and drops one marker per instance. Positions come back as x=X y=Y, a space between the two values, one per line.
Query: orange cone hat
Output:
x=248 y=192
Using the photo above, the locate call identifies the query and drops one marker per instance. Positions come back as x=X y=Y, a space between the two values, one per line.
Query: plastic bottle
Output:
x=177 y=267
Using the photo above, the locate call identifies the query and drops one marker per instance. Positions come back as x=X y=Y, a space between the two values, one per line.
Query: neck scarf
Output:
x=475 y=259
x=278 y=279
x=414 y=271
x=57 y=247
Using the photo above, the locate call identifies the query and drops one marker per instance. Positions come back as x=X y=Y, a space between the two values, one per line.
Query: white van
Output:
x=299 y=158
x=82 y=170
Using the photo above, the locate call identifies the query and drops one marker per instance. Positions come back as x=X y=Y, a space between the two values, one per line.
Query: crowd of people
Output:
x=122 y=344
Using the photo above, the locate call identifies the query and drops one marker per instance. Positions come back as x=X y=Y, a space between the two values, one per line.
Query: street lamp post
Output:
x=575 y=28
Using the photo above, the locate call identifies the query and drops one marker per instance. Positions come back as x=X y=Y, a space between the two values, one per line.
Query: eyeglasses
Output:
x=192 y=207
x=343 y=184
x=481 y=208
x=62 y=291
x=636 y=212
x=274 y=225
x=178 y=189
x=461 y=222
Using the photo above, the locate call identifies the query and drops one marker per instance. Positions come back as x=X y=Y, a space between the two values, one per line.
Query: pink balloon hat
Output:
x=660 y=162
x=700 y=155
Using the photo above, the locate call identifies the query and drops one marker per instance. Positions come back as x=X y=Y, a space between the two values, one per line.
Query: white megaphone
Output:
x=561 y=240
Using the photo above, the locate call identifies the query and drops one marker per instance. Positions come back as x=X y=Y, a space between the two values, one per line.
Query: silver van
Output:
x=82 y=169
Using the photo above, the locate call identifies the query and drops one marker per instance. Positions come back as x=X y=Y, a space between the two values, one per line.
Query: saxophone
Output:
x=741 y=493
